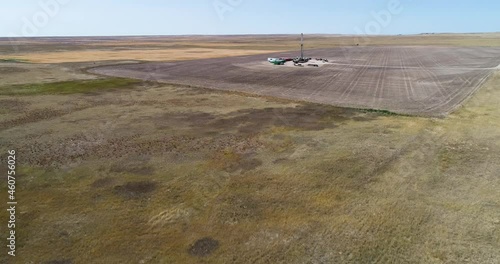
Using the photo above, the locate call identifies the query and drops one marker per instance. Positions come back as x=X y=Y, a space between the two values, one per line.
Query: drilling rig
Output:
x=301 y=45
x=301 y=59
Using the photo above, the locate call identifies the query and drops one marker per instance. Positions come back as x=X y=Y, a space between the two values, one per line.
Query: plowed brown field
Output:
x=430 y=81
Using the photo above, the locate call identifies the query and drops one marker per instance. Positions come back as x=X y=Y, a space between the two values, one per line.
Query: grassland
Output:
x=69 y=87
x=160 y=173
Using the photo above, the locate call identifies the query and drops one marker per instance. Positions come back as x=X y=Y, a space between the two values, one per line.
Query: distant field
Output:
x=429 y=81
x=140 y=55
x=57 y=50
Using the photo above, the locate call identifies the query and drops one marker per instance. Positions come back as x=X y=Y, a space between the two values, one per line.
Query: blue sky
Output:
x=178 y=17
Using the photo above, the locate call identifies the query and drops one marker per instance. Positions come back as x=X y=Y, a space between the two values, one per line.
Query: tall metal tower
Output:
x=302 y=45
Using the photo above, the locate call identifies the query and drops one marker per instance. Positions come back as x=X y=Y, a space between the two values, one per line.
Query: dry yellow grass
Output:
x=143 y=55
x=16 y=73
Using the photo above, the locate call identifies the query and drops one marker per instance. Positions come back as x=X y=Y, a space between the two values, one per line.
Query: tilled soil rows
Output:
x=428 y=81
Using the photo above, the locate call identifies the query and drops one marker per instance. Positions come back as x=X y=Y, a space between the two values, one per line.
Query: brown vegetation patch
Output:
x=12 y=104
x=280 y=160
x=139 y=170
x=135 y=189
x=353 y=172
x=134 y=165
x=59 y=261
x=103 y=183
x=33 y=116
x=193 y=119
x=249 y=164
x=8 y=70
x=81 y=147
x=304 y=117
x=466 y=154
x=203 y=247
x=235 y=161
x=238 y=207
x=187 y=90
x=253 y=121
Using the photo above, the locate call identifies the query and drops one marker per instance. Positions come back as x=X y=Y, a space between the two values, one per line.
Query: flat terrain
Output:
x=429 y=81
x=168 y=48
x=117 y=170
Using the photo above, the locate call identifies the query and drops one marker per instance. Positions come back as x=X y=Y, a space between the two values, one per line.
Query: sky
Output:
x=220 y=17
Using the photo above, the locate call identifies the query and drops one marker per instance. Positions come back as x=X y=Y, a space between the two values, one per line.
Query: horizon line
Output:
x=249 y=34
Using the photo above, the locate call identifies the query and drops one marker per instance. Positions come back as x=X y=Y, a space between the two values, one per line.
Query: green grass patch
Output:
x=70 y=87
x=382 y=112
x=12 y=61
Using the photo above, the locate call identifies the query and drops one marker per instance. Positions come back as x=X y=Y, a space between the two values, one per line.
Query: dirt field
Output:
x=427 y=81
x=158 y=173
